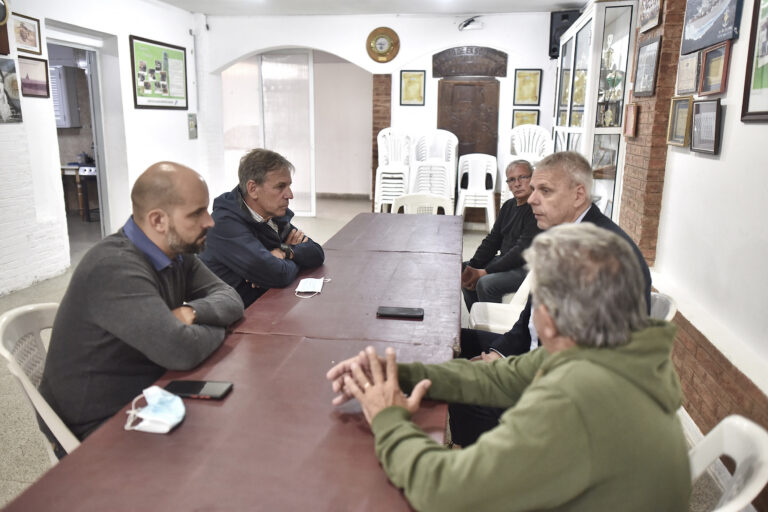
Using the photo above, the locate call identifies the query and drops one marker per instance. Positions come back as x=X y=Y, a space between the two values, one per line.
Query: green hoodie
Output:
x=586 y=429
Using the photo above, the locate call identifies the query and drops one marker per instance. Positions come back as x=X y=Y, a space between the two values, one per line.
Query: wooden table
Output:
x=276 y=442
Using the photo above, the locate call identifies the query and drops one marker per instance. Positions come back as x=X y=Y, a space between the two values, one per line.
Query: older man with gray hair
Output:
x=590 y=420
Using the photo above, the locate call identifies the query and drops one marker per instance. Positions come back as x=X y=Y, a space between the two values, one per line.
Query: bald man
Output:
x=139 y=303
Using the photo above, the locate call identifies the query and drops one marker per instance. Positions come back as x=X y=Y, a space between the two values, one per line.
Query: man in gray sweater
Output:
x=139 y=303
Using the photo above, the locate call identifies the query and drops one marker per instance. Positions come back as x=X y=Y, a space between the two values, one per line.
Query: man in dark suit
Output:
x=562 y=185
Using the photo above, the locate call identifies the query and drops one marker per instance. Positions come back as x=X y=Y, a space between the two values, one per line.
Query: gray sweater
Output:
x=115 y=333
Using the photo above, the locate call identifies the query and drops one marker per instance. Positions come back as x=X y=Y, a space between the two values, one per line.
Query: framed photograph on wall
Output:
x=646 y=68
x=650 y=14
x=527 y=87
x=521 y=117
x=34 y=77
x=688 y=74
x=159 y=74
x=714 y=69
x=10 y=105
x=708 y=22
x=630 y=120
x=754 y=107
x=26 y=33
x=705 y=129
x=679 y=127
x=412 y=87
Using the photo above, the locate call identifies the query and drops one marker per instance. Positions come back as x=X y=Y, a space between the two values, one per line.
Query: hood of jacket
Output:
x=644 y=361
x=233 y=202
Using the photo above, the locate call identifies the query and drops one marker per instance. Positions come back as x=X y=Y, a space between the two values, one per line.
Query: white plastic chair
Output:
x=23 y=347
x=746 y=443
x=422 y=203
x=433 y=164
x=394 y=167
x=476 y=166
x=526 y=142
x=663 y=307
x=499 y=318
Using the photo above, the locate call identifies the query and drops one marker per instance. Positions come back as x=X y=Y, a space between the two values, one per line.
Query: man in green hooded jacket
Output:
x=590 y=423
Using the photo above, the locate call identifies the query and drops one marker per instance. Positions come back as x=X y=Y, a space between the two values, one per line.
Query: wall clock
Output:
x=382 y=44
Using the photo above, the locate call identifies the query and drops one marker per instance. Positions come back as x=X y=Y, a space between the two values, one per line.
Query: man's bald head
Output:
x=164 y=186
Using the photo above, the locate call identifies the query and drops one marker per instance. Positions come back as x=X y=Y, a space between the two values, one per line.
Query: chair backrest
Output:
x=746 y=443
x=439 y=145
x=521 y=295
x=421 y=203
x=663 y=307
x=532 y=141
x=394 y=147
x=22 y=346
x=477 y=166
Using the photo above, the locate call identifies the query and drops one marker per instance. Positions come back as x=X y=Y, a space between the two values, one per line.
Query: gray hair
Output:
x=255 y=165
x=524 y=163
x=590 y=281
x=571 y=163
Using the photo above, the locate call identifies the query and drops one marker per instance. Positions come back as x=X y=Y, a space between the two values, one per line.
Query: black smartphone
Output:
x=397 y=312
x=206 y=389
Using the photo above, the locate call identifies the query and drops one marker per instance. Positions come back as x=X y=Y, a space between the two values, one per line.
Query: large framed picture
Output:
x=650 y=14
x=159 y=74
x=34 y=77
x=714 y=69
x=527 y=87
x=679 y=127
x=688 y=74
x=524 y=116
x=647 y=64
x=705 y=133
x=708 y=22
x=26 y=33
x=412 y=87
x=10 y=106
x=754 y=107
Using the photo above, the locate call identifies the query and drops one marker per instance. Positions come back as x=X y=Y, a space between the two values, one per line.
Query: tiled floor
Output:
x=23 y=457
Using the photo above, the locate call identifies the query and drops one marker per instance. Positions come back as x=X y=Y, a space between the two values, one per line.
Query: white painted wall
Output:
x=713 y=236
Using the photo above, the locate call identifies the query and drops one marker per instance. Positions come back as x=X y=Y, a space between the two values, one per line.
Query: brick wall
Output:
x=382 y=118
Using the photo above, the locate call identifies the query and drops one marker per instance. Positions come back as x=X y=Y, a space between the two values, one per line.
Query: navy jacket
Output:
x=238 y=249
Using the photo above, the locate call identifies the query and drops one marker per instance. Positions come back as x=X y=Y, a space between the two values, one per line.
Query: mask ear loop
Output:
x=132 y=414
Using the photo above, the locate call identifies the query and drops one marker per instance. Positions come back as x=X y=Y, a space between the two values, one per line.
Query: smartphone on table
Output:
x=205 y=389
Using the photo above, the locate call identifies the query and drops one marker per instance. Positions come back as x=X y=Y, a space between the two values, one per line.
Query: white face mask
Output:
x=310 y=285
x=164 y=411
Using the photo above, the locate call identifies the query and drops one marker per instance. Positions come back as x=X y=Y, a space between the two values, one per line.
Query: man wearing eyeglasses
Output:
x=497 y=267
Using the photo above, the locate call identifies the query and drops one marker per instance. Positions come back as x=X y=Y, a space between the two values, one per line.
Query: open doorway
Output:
x=72 y=75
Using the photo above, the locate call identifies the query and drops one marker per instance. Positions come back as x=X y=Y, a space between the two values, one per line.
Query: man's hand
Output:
x=185 y=314
x=295 y=237
x=377 y=390
x=278 y=253
x=337 y=373
x=490 y=356
x=470 y=275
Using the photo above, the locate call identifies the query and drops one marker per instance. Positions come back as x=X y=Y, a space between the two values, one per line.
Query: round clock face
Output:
x=383 y=44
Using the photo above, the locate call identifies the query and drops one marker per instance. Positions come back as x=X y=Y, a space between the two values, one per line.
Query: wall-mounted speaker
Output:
x=559 y=22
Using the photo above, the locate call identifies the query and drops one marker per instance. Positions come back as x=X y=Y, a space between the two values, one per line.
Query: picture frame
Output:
x=708 y=22
x=650 y=14
x=754 y=106
x=688 y=74
x=25 y=32
x=679 y=125
x=647 y=67
x=527 y=87
x=630 y=120
x=713 y=78
x=159 y=74
x=524 y=116
x=34 y=77
x=412 y=85
x=705 y=126
x=10 y=103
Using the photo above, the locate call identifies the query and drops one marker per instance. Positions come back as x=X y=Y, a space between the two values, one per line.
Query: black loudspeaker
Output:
x=559 y=22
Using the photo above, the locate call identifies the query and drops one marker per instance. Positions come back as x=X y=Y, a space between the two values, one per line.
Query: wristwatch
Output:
x=288 y=250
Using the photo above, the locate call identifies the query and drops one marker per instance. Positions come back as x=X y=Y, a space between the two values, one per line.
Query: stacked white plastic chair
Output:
x=394 y=167
x=477 y=167
x=527 y=142
x=422 y=203
x=433 y=165
x=499 y=318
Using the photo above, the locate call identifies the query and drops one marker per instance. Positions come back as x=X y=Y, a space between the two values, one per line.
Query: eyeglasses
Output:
x=520 y=179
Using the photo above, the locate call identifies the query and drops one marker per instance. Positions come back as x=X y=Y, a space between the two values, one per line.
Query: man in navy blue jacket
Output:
x=253 y=246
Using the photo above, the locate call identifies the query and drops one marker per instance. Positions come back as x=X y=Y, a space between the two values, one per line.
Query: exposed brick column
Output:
x=647 y=152
x=382 y=118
